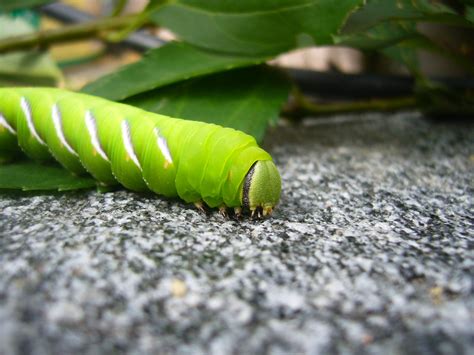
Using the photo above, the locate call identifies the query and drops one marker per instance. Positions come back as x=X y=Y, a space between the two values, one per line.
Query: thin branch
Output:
x=65 y=34
x=302 y=106
x=119 y=7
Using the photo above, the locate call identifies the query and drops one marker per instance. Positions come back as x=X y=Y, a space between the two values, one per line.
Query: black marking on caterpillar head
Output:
x=246 y=188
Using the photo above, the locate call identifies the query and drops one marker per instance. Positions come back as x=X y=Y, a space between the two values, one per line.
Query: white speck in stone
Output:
x=65 y=312
x=303 y=228
x=285 y=297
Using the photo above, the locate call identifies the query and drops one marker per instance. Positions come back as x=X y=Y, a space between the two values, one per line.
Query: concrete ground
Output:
x=370 y=251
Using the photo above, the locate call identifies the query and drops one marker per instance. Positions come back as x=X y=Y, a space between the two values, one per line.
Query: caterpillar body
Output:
x=118 y=143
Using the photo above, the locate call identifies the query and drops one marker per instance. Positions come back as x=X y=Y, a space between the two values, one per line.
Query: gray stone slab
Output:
x=370 y=251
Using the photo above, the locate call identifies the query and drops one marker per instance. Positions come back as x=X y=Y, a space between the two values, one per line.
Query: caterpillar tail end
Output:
x=261 y=188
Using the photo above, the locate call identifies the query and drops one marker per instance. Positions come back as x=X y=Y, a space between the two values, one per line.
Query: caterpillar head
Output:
x=261 y=188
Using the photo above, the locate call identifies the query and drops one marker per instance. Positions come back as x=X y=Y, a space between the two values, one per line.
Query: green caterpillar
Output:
x=118 y=143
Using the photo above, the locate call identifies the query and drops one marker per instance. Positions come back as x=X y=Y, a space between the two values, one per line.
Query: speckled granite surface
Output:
x=370 y=251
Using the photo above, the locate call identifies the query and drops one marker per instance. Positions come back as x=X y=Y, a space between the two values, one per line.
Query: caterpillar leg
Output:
x=256 y=213
x=200 y=206
x=223 y=211
x=267 y=211
x=261 y=212
x=238 y=212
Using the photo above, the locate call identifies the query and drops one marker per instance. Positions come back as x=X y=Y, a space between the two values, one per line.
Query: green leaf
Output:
x=27 y=68
x=375 y=12
x=405 y=54
x=162 y=66
x=436 y=99
x=9 y=5
x=380 y=36
x=28 y=176
x=382 y=23
x=255 y=27
x=246 y=99
x=393 y=39
x=392 y=28
x=422 y=42
x=470 y=13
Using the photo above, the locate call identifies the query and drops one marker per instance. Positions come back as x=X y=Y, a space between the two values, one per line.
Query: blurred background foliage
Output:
x=215 y=60
x=245 y=64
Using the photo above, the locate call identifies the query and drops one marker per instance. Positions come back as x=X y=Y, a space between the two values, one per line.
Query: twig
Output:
x=302 y=106
x=74 y=32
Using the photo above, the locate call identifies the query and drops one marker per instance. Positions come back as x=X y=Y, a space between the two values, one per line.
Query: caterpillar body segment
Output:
x=118 y=143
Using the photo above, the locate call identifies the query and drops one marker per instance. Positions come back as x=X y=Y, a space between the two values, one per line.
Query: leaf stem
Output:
x=302 y=106
x=73 y=32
